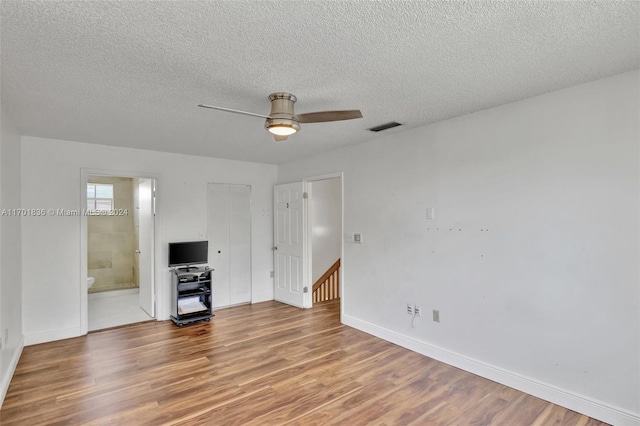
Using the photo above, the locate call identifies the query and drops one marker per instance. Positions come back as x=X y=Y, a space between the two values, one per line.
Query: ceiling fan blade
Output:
x=235 y=111
x=324 y=116
x=279 y=138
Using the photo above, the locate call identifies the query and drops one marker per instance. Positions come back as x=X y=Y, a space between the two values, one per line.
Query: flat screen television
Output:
x=188 y=253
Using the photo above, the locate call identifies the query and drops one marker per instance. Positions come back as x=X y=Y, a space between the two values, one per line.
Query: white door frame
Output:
x=146 y=279
x=85 y=173
x=308 y=297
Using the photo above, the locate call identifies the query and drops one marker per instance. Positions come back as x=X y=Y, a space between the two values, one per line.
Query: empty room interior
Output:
x=320 y=212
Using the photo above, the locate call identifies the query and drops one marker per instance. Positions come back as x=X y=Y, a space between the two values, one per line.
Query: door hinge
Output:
x=305 y=195
x=305 y=289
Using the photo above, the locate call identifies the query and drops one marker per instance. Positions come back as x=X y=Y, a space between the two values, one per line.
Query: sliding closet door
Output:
x=229 y=234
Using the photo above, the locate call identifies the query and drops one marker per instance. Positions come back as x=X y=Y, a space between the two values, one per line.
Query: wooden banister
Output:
x=328 y=286
x=326 y=275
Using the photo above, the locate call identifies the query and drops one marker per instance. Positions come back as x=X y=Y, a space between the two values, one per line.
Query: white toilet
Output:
x=90 y=281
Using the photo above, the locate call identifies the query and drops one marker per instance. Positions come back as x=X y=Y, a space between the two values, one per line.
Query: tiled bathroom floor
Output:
x=112 y=287
x=115 y=308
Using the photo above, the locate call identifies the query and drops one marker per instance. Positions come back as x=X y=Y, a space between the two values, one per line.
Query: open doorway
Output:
x=325 y=238
x=296 y=229
x=119 y=230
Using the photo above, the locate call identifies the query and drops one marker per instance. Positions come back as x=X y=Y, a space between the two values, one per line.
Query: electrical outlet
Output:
x=436 y=315
x=417 y=311
x=409 y=308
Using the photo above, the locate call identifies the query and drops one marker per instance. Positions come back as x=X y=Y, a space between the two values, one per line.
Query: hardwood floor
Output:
x=262 y=364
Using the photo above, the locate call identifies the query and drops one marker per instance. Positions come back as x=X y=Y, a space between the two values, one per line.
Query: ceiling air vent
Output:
x=385 y=126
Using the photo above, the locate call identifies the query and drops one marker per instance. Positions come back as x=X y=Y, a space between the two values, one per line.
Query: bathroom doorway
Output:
x=119 y=250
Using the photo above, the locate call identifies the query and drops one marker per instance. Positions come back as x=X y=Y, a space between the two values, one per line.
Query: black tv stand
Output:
x=192 y=299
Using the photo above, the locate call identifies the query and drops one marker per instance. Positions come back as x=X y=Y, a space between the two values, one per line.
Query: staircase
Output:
x=328 y=286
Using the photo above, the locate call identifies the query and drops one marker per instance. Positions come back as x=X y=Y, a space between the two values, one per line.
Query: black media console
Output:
x=192 y=299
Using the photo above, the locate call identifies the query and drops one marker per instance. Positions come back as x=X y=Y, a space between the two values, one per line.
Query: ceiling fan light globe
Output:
x=282 y=130
x=281 y=126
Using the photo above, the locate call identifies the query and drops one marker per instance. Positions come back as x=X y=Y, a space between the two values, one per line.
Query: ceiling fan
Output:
x=283 y=122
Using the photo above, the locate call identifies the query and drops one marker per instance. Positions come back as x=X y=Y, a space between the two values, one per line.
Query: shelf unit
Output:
x=192 y=299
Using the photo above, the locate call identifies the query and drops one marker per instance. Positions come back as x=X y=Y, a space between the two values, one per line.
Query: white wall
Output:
x=326 y=224
x=532 y=259
x=51 y=179
x=10 y=254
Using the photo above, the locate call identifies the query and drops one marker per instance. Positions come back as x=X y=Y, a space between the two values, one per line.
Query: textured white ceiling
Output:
x=131 y=73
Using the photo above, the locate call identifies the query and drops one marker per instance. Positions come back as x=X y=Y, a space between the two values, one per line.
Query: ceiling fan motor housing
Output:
x=282 y=115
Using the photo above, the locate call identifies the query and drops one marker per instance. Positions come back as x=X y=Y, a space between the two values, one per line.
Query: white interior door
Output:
x=218 y=236
x=229 y=235
x=239 y=244
x=289 y=243
x=145 y=246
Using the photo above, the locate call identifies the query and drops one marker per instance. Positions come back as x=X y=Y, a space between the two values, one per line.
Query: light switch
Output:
x=357 y=238
x=431 y=213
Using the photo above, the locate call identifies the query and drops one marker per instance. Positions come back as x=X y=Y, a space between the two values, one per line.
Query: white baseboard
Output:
x=7 y=375
x=50 y=336
x=580 y=403
x=261 y=297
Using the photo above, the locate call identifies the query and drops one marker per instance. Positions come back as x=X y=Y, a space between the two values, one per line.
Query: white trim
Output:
x=571 y=400
x=50 y=336
x=261 y=297
x=6 y=380
x=323 y=177
x=307 y=299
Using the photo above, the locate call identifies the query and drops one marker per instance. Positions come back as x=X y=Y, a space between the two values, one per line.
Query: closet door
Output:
x=218 y=236
x=239 y=244
x=229 y=234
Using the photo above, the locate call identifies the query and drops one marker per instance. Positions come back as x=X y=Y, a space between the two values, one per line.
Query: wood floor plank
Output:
x=261 y=364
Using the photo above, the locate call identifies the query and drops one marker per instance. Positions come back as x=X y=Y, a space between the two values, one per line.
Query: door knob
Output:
x=137 y=251
x=275 y=248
